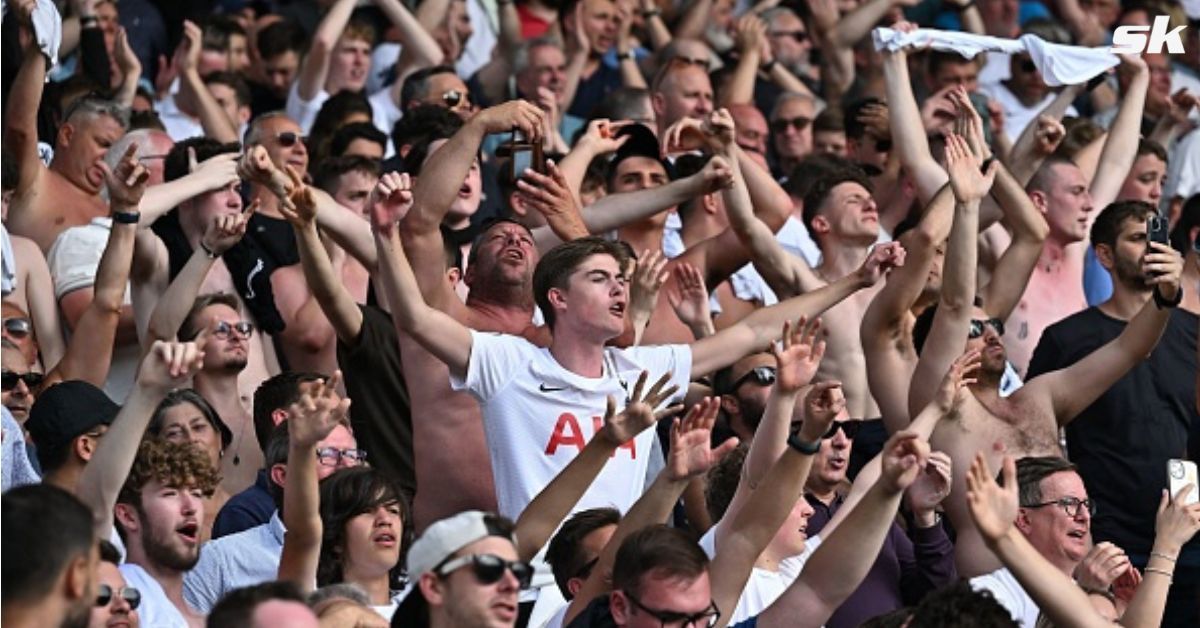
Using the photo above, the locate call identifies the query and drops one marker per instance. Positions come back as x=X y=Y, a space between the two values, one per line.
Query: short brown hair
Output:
x=1031 y=470
x=555 y=268
x=658 y=549
x=722 y=482
x=178 y=465
x=190 y=328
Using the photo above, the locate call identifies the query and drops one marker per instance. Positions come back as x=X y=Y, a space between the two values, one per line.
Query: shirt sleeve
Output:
x=495 y=360
x=304 y=112
x=74 y=258
x=1044 y=355
x=927 y=563
x=201 y=584
x=659 y=359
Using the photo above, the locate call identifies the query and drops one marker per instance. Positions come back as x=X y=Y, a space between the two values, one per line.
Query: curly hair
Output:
x=345 y=495
x=179 y=465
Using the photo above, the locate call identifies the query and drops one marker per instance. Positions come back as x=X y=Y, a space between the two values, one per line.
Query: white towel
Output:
x=47 y=27
x=8 y=263
x=1059 y=64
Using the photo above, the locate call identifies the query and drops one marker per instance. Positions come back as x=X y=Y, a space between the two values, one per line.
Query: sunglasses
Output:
x=453 y=97
x=707 y=617
x=489 y=568
x=105 y=594
x=332 y=456
x=849 y=428
x=761 y=375
x=799 y=36
x=9 y=379
x=17 y=327
x=288 y=139
x=781 y=125
x=224 y=329
x=978 y=327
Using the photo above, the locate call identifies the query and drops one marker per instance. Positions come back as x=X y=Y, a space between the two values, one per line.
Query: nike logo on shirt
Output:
x=544 y=388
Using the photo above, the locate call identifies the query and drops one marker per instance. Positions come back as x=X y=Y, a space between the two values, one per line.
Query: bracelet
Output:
x=1161 y=572
x=625 y=56
x=1162 y=303
x=808 y=449
x=1163 y=556
x=126 y=218
x=649 y=13
x=207 y=251
x=88 y=21
x=768 y=66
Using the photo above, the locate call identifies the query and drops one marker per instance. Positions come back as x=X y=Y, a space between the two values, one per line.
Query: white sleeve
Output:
x=659 y=359
x=495 y=360
x=74 y=258
x=304 y=112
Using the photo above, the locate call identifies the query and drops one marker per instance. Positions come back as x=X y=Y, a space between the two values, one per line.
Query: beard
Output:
x=79 y=615
x=1129 y=272
x=161 y=551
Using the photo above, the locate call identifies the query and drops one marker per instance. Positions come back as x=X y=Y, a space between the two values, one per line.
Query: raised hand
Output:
x=939 y=112
x=904 y=456
x=1048 y=135
x=1102 y=566
x=639 y=411
x=875 y=117
x=685 y=135
x=750 y=33
x=993 y=507
x=520 y=115
x=692 y=453
x=390 y=201
x=649 y=275
x=601 y=136
x=169 y=364
x=187 y=55
x=689 y=299
x=719 y=126
x=256 y=166
x=1126 y=584
x=959 y=376
x=881 y=259
x=798 y=354
x=967 y=180
x=1177 y=521
x=124 y=56
x=549 y=193
x=316 y=413
x=127 y=182
x=226 y=231
x=300 y=205
x=931 y=487
x=217 y=171
x=968 y=123
x=577 y=38
x=1163 y=265
x=823 y=403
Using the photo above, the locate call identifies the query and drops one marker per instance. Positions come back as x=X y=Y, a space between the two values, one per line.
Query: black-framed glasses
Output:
x=978 y=327
x=760 y=375
x=453 y=97
x=105 y=595
x=332 y=456
x=223 y=329
x=18 y=327
x=489 y=568
x=783 y=124
x=288 y=139
x=9 y=379
x=706 y=618
x=799 y=36
x=849 y=428
x=1070 y=505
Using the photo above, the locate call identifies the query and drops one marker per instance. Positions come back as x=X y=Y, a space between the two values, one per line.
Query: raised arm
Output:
x=839 y=565
x=762 y=326
x=213 y=118
x=852 y=27
x=441 y=335
x=908 y=133
x=39 y=299
x=493 y=76
x=546 y=512
x=1015 y=266
x=649 y=275
x=1028 y=150
x=166 y=367
x=750 y=36
x=1176 y=524
x=131 y=68
x=1074 y=388
x=310 y=420
x=211 y=174
x=1120 y=148
x=315 y=68
x=20 y=116
x=949 y=331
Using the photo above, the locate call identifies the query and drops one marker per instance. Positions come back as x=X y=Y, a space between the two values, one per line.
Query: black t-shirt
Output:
x=1121 y=443
x=381 y=415
x=595 y=615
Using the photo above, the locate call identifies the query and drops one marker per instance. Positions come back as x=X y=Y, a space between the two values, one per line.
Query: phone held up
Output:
x=1180 y=473
x=526 y=156
x=1157 y=229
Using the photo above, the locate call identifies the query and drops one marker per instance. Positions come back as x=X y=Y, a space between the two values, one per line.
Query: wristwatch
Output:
x=803 y=447
x=768 y=66
x=622 y=56
x=1162 y=303
x=126 y=218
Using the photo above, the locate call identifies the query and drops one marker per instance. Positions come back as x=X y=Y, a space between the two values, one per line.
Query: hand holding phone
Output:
x=1180 y=473
x=1157 y=229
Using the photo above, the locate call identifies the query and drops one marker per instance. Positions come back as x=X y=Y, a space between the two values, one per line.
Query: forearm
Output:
x=858 y=24
x=20 y=111
x=315 y=68
x=908 y=132
x=336 y=303
x=177 y=301
x=1120 y=148
x=972 y=21
x=1023 y=160
x=431 y=13
x=162 y=198
x=102 y=478
x=433 y=195
x=347 y=229
x=543 y=515
x=657 y=31
x=631 y=75
x=771 y=203
x=213 y=119
x=1056 y=595
x=43 y=309
x=785 y=273
x=740 y=88
x=614 y=211
x=417 y=41
x=695 y=20
x=575 y=65
x=302 y=519
x=770 y=439
x=1145 y=610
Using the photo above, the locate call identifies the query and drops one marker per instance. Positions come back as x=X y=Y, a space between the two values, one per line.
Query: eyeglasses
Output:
x=288 y=139
x=799 y=36
x=332 y=456
x=1070 y=505
x=489 y=568
x=782 y=125
x=762 y=375
x=9 y=379
x=18 y=327
x=105 y=594
x=977 y=327
x=453 y=97
x=224 y=329
x=706 y=618
x=849 y=428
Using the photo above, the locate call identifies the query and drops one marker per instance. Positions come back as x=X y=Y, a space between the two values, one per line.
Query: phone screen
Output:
x=522 y=161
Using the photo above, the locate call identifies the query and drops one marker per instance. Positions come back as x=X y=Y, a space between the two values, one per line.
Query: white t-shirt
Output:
x=155 y=609
x=763 y=587
x=1005 y=588
x=1016 y=115
x=537 y=415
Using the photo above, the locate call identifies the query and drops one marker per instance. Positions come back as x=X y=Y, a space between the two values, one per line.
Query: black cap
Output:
x=66 y=411
x=641 y=143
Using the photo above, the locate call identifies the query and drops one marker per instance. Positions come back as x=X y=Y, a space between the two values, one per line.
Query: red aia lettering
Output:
x=567 y=433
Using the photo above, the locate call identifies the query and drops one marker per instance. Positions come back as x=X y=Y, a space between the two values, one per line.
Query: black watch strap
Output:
x=1162 y=303
x=126 y=218
x=806 y=448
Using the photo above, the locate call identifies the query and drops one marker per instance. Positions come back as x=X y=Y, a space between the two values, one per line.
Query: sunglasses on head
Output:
x=761 y=375
x=288 y=139
x=849 y=428
x=105 y=594
x=782 y=124
x=489 y=568
x=978 y=327
x=223 y=329
x=9 y=379
x=18 y=327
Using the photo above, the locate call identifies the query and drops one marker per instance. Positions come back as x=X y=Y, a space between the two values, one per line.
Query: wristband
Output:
x=1163 y=556
x=768 y=66
x=808 y=449
x=207 y=251
x=625 y=56
x=126 y=218
x=88 y=21
x=649 y=13
x=1162 y=303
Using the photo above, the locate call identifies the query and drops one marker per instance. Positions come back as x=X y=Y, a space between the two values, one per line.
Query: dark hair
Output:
x=555 y=268
x=657 y=548
x=417 y=83
x=191 y=327
x=478 y=239
x=109 y=552
x=330 y=170
x=810 y=169
x=622 y=103
x=1189 y=218
x=237 y=607
x=280 y=37
x=420 y=149
x=823 y=187
x=1079 y=133
x=1151 y=147
x=1107 y=227
x=9 y=175
x=565 y=552
x=422 y=121
x=1044 y=177
x=959 y=605
x=181 y=396
x=148 y=120
x=722 y=481
x=856 y=130
x=924 y=324
x=234 y=81
x=345 y=495
x=333 y=114
x=276 y=452
x=938 y=58
x=831 y=119
x=218 y=30
x=175 y=165
x=45 y=528
x=347 y=133
x=277 y=393
x=1031 y=470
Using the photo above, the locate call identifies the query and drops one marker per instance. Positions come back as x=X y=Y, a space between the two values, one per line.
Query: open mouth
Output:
x=1078 y=534
x=386 y=539
x=837 y=464
x=464 y=191
x=617 y=309
x=189 y=532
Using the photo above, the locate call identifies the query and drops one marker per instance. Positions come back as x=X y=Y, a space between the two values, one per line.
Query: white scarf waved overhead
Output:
x=1059 y=64
x=47 y=27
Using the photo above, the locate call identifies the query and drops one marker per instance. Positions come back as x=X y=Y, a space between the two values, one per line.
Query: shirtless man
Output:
x=66 y=194
x=1026 y=423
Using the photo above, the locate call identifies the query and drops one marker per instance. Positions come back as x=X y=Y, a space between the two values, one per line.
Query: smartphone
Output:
x=1157 y=229
x=1180 y=473
x=526 y=156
